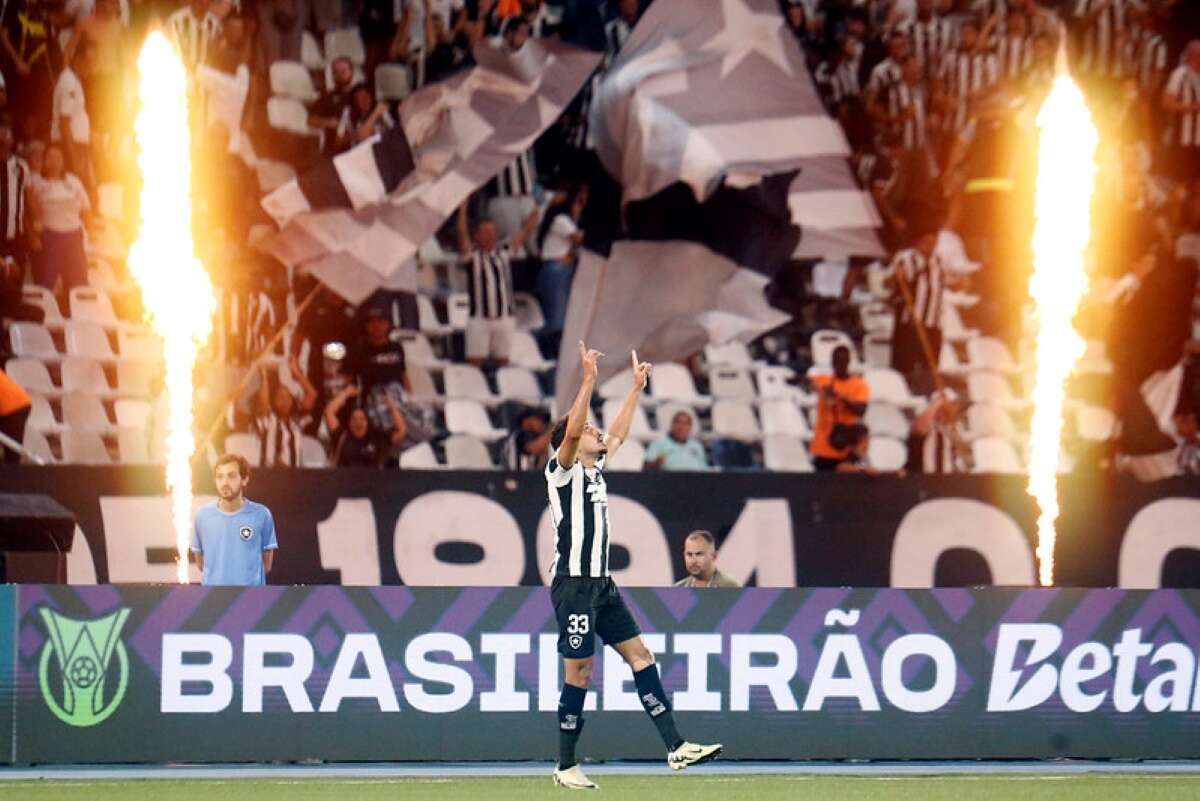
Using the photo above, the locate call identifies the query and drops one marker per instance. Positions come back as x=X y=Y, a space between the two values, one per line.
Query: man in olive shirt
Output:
x=700 y=559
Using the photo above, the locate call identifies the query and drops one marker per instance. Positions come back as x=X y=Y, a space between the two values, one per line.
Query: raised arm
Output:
x=578 y=416
x=334 y=408
x=618 y=432
x=526 y=229
x=309 y=400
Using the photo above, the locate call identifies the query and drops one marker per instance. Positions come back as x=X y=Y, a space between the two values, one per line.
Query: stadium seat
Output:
x=1095 y=359
x=673 y=382
x=84 y=447
x=773 y=382
x=458 y=310
x=617 y=387
x=528 y=311
x=418 y=351
x=886 y=453
x=525 y=352
x=877 y=318
x=889 y=386
x=639 y=427
x=877 y=350
x=80 y=374
x=731 y=354
x=885 y=420
x=953 y=329
x=990 y=420
x=432 y=252
x=824 y=342
x=132 y=413
x=1095 y=423
x=93 y=305
x=519 y=384
x=392 y=82
x=88 y=339
x=469 y=417
x=140 y=343
x=32 y=375
x=292 y=79
x=988 y=387
x=465 y=452
x=785 y=454
x=271 y=175
x=41 y=415
x=731 y=383
x=289 y=114
x=310 y=53
x=244 y=445
x=43 y=299
x=948 y=361
x=132 y=447
x=419 y=457
x=995 y=455
x=630 y=458
x=85 y=413
x=36 y=443
x=33 y=340
x=781 y=416
x=733 y=419
x=346 y=42
x=134 y=376
x=312 y=453
x=989 y=353
x=423 y=388
x=467 y=381
x=427 y=319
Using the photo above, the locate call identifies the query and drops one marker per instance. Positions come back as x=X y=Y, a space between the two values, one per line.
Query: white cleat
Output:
x=573 y=779
x=690 y=754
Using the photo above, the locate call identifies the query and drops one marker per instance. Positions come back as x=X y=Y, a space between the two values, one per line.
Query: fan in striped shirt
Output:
x=904 y=107
x=1100 y=25
x=930 y=35
x=920 y=282
x=586 y=600
x=490 y=327
x=1014 y=50
x=966 y=74
x=887 y=72
x=1181 y=100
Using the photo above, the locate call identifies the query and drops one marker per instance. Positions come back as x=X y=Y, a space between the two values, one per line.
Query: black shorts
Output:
x=585 y=607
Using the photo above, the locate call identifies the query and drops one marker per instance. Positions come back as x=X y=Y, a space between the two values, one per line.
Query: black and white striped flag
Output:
x=359 y=220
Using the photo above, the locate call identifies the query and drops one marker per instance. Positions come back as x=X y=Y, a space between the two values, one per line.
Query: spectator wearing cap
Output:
x=700 y=561
x=839 y=438
x=528 y=444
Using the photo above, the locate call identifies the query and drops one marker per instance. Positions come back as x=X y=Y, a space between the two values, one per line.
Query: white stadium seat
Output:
x=730 y=354
x=781 y=416
x=518 y=383
x=245 y=445
x=995 y=455
x=85 y=413
x=346 y=42
x=469 y=417
x=468 y=381
x=990 y=420
x=735 y=420
x=418 y=351
x=392 y=82
x=639 y=427
x=889 y=386
x=292 y=79
x=31 y=339
x=885 y=420
x=731 y=383
x=419 y=457
x=80 y=374
x=886 y=453
x=525 y=352
x=825 y=341
x=33 y=375
x=465 y=452
x=786 y=454
x=631 y=457
x=84 y=447
x=671 y=381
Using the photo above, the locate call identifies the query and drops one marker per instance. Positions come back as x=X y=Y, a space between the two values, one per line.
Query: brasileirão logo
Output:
x=84 y=650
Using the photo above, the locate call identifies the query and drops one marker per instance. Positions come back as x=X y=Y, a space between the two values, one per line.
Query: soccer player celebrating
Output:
x=586 y=601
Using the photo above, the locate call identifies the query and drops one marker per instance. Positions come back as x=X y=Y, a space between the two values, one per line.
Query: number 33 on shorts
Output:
x=578 y=624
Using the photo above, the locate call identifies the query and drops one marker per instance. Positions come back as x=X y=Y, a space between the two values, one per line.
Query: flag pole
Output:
x=250 y=370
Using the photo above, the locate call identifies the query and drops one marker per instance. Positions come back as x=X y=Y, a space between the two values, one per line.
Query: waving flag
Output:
x=356 y=221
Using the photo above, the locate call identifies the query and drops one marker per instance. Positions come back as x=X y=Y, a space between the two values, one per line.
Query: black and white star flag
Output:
x=355 y=221
x=717 y=92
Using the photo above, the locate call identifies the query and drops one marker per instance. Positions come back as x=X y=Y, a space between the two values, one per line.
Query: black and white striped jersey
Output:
x=926 y=279
x=489 y=282
x=579 y=511
x=1184 y=86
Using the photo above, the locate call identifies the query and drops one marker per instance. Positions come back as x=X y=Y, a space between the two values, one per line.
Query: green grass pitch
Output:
x=1019 y=787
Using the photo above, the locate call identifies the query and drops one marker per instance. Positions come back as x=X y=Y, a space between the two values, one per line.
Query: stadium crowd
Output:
x=918 y=360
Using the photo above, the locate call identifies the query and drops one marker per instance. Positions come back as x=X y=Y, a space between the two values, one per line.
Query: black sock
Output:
x=654 y=700
x=570 y=723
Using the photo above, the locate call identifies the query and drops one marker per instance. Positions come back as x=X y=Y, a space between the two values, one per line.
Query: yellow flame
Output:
x=1066 y=178
x=176 y=290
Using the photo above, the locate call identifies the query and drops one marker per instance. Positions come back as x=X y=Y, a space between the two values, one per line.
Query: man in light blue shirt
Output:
x=677 y=450
x=234 y=538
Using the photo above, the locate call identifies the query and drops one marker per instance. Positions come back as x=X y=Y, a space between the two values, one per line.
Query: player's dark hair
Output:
x=234 y=458
x=558 y=434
